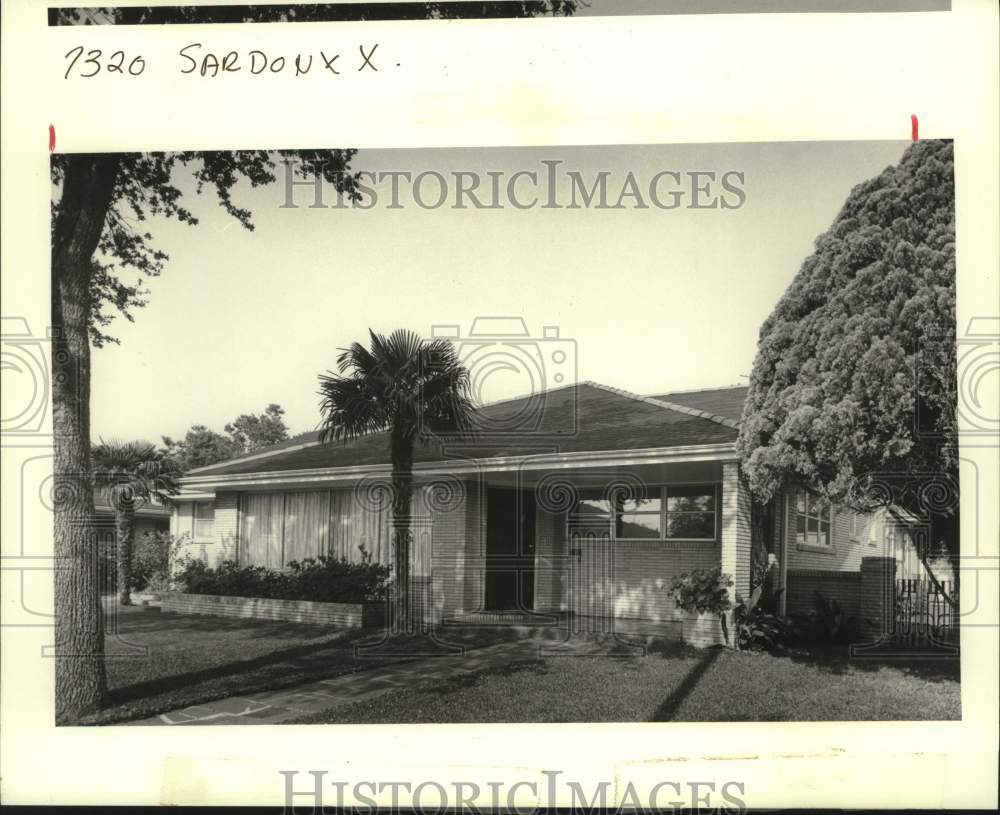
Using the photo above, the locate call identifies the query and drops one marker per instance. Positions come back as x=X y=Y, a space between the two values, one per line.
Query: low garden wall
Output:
x=844 y=587
x=349 y=615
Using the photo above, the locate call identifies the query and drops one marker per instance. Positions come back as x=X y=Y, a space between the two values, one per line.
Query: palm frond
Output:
x=401 y=382
x=132 y=471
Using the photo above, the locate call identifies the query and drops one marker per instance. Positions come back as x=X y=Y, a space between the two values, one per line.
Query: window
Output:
x=204 y=517
x=691 y=513
x=663 y=513
x=812 y=520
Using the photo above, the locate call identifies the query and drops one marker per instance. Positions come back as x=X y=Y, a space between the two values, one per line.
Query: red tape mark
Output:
x=52 y=138
x=914 y=127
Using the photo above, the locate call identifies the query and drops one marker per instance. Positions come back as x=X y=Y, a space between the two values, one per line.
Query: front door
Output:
x=510 y=549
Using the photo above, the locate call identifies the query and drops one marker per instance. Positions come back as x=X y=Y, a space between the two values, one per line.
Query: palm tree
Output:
x=130 y=473
x=412 y=388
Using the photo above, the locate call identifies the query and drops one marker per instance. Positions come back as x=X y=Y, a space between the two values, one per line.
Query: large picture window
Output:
x=276 y=528
x=672 y=513
x=813 y=520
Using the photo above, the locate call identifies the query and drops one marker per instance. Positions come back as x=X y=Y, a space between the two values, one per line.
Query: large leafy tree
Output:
x=253 y=431
x=130 y=474
x=248 y=432
x=199 y=448
x=411 y=388
x=853 y=390
x=101 y=203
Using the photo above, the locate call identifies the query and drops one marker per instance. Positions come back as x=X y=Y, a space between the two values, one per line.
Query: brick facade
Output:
x=348 y=615
x=844 y=587
x=623 y=580
x=878 y=597
x=628 y=580
x=848 y=544
x=736 y=509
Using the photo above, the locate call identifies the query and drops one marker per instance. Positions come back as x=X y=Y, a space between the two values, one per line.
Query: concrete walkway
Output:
x=276 y=706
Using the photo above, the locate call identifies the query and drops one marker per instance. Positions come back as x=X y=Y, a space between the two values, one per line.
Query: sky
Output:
x=648 y=300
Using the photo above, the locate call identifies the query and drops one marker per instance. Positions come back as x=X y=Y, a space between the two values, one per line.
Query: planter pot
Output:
x=343 y=615
x=702 y=630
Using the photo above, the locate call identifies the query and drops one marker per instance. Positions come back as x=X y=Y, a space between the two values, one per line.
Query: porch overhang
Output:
x=547 y=461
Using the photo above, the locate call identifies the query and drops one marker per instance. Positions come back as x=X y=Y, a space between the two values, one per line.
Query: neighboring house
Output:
x=150 y=516
x=528 y=515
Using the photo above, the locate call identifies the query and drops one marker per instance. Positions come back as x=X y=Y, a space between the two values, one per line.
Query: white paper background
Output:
x=578 y=81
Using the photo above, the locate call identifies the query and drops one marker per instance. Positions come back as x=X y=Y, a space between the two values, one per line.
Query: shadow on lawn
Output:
x=837 y=659
x=668 y=707
x=304 y=659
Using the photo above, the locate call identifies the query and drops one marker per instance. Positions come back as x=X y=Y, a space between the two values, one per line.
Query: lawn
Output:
x=676 y=683
x=158 y=662
x=190 y=659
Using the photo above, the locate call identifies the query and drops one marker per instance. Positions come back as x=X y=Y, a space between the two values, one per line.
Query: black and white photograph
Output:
x=385 y=499
x=506 y=405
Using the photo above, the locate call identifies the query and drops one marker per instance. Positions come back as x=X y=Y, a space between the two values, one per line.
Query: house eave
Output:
x=603 y=458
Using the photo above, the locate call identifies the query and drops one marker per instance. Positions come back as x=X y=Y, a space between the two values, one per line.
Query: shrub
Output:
x=702 y=590
x=152 y=555
x=323 y=579
x=828 y=622
x=761 y=629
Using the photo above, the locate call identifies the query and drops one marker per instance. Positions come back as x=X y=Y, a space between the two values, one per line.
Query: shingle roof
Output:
x=579 y=418
x=727 y=402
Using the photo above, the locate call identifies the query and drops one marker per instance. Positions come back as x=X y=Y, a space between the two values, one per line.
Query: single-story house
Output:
x=584 y=499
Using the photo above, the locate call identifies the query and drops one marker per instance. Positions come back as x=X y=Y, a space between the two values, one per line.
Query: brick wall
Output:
x=878 y=597
x=642 y=571
x=736 y=508
x=475 y=545
x=846 y=549
x=348 y=615
x=844 y=587
x=628 y=580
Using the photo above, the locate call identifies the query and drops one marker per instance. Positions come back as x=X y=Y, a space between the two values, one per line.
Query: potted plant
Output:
x=703 y=596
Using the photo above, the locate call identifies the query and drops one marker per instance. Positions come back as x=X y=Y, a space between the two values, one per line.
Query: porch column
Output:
x=735 y=549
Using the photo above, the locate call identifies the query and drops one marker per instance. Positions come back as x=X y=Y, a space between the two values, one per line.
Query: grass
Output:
x=158 y=662
x=191 y=659
x=676 y=683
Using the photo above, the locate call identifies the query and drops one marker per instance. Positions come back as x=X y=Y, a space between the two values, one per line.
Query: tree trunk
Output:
x=81 y=686
x=402 y=495
x=124 y=539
